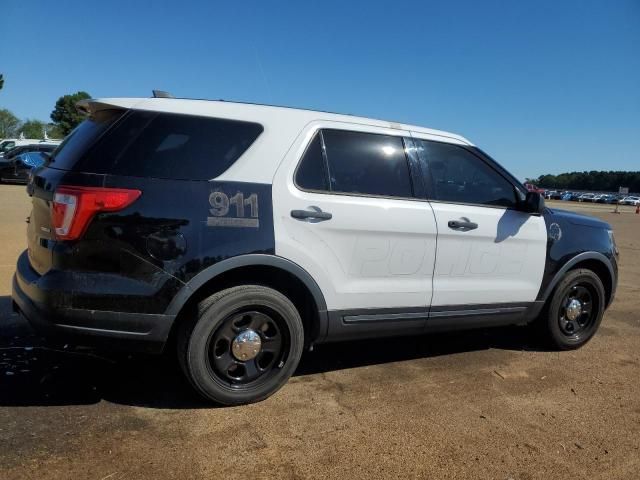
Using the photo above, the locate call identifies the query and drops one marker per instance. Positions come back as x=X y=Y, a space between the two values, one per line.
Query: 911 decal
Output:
x=222 y=205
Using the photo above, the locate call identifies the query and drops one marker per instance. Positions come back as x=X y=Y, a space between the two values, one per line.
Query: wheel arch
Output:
x=269 y=270
x=594 y=261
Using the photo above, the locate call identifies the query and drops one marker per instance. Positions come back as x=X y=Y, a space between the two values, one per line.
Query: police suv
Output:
x=241 y=234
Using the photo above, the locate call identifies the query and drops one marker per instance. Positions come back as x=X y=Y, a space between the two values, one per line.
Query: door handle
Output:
x=463 y=225
x=313 y=215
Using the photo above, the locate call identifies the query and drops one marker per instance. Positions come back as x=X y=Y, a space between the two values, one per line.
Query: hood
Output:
x=578 y=219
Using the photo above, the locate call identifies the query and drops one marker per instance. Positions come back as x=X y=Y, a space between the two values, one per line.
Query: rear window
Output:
x=163 y=145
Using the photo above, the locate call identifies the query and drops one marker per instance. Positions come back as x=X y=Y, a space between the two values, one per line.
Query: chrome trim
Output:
x=478 y=311
x=388 y=317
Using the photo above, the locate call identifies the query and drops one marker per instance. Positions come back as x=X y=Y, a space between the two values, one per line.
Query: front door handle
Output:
x=314 y=214
x=463 y=225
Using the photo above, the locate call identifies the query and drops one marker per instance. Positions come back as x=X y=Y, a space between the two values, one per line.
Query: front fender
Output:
x=545 y=291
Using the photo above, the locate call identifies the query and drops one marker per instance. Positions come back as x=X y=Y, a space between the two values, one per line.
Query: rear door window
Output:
x=356 y=163
x=367 y=163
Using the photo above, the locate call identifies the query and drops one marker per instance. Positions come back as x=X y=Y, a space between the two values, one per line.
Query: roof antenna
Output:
x=161 y=94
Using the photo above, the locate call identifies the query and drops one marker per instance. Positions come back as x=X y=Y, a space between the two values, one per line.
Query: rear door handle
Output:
x=312 y=215
x=463 y=225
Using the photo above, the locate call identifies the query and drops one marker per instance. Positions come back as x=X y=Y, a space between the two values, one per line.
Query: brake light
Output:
x=74 y=207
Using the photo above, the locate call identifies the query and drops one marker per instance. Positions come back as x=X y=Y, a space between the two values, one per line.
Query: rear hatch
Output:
x=168 y=159
x=40 y=232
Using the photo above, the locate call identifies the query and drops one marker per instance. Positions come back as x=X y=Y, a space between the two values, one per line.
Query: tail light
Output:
x=74 y=207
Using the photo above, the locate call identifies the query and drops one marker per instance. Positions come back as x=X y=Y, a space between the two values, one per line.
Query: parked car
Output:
x=570 y=196
x=32 y=147
x=607 y=198
x=553 y=195
x=18 y=169
x=586 y=197
x=218 y=224
x=10 y=143
x=630 y=200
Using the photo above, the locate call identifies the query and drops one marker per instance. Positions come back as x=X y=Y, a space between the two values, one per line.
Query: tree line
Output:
x=64 y=118
x=604 y=181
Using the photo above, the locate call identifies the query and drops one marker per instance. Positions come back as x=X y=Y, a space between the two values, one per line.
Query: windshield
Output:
x=7 y=145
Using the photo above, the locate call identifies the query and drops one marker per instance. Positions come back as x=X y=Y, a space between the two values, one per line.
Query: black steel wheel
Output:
x=575 y=310
x=246 y=347
x=243 y=346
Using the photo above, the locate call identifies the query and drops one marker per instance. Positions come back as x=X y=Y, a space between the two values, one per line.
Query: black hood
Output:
x=578 y=219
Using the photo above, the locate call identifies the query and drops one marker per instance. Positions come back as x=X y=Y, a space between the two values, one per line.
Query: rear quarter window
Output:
x=80 y=140
x=164 y=145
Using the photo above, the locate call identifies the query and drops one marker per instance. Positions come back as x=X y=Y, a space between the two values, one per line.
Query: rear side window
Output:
x=312 y=174
x=357 y=163
x=456 y=175
x=163 y=145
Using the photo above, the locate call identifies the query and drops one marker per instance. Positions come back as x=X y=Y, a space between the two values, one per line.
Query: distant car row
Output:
x=18 y=157
x=610 y=198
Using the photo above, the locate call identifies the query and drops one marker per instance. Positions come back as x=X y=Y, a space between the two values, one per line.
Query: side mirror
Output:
x=533 y=203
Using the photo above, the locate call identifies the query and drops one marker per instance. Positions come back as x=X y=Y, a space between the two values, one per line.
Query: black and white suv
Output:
x=247 y=233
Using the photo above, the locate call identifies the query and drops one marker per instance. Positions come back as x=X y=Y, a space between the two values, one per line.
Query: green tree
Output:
x=33 y=129
x=53 y=131
x=65 y=115
x=9 y=124
x=594 y=180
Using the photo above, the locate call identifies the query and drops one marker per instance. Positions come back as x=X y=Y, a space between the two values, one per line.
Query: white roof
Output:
x=251 y=111
x=269 y=149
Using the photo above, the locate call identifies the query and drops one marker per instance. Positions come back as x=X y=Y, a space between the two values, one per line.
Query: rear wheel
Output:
x=244 y=345
x=575 y=310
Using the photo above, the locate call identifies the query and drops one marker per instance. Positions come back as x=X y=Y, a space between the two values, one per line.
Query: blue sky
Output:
x=542 y=86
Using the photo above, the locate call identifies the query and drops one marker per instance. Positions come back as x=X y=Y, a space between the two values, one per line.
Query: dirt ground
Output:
x=484 y=404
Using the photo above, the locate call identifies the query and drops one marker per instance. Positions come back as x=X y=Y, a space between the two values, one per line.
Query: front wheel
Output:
x=575 y=310
x=244 y=345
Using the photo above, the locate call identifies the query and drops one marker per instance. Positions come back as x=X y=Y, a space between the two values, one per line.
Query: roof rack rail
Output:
x=161 y=94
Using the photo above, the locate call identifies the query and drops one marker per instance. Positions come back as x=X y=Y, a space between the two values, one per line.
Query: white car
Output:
x=635 y=201
x=586 y=197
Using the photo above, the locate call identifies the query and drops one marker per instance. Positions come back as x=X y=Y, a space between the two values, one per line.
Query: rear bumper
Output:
x=40 y=304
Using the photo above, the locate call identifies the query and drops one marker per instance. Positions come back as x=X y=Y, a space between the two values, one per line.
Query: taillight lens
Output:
x=74 y=207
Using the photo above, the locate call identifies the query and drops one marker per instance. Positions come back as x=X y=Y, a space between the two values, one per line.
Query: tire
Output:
x=222 y=367
x=559 y=327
